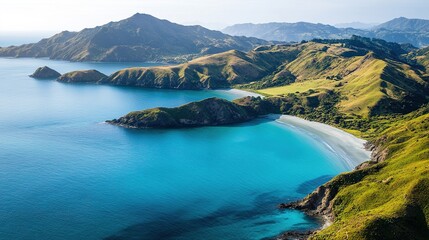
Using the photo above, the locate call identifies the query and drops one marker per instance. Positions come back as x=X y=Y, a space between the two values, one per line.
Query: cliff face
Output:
x=209 y=112
x=45 y=73
x=320 y=202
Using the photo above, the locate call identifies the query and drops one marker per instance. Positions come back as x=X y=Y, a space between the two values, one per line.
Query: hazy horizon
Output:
x=53 y=16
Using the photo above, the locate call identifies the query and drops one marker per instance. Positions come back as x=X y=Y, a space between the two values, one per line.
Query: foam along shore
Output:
x=348 y=147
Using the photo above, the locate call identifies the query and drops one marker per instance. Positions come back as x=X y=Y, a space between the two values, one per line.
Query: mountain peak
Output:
x=139 y=17
x=138 y=38
x=405 y=24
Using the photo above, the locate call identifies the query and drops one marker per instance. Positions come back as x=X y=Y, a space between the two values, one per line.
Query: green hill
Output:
x=215 y=71
x=140 y=38
x=371 y=76
x=387 y=197
x=369 y=79
x=209 y=112
x=341 y=65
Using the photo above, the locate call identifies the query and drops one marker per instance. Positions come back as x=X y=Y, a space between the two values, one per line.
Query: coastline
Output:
x=348 y=148
x=241 y=93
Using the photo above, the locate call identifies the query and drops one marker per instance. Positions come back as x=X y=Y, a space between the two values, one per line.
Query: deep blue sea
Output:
x=65 y=175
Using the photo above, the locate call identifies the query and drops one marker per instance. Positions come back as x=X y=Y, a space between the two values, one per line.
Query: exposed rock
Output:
x=208 y=112
x=86 y=76
x=45 y=73
x=295 y=235
x=378 y=153
x=320 y=202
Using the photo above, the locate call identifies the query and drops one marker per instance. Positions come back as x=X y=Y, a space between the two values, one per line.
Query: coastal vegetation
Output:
x=209 y=112
x=385 y=198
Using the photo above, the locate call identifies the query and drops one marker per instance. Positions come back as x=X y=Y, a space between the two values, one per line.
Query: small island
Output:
x=45 y=73
x=85 y=76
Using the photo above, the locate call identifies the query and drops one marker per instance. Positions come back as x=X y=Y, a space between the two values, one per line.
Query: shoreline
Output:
x=240 y=93
x=348 y=148
x=345 y=146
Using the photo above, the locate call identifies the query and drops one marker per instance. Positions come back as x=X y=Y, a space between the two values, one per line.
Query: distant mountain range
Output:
x=144 y=38
x=356 y=25
x=139 y=38
x=400 y=30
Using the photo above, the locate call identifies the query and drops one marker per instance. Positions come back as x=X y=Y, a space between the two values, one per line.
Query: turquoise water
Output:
x=64 y=174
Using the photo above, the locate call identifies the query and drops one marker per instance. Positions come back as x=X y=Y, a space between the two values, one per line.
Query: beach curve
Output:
x=346 y=146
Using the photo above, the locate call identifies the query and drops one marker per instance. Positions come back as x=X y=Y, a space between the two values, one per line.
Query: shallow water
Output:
x=64 y=174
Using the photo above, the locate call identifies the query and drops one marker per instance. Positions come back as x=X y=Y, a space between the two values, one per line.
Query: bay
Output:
x=65 y=174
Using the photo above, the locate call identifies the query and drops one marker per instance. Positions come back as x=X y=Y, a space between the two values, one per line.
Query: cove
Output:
x=64 y=174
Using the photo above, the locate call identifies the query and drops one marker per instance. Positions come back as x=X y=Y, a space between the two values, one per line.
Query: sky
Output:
x=74 y=15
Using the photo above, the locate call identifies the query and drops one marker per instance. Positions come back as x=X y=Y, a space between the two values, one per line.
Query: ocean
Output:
x=65 y=174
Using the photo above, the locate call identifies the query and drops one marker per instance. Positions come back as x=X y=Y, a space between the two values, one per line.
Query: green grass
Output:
x=362 y=88
x=299 y=87
x=391 y=203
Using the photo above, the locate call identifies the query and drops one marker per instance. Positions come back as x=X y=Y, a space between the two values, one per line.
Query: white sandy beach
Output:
x=241 y=93
x=348 y=147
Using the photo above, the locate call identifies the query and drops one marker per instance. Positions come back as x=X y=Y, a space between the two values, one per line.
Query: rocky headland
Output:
x=208 y=112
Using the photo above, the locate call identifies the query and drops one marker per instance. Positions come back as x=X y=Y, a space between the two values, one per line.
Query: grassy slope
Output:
x=366 y=83
x=389 y=200
x=213 y=71
x=208 y=112
x=391 y=203
x=299 y=87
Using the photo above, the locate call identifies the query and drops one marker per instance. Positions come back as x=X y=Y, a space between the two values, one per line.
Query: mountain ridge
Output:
x=371 y=76
x=140 y=38
x=401 y=30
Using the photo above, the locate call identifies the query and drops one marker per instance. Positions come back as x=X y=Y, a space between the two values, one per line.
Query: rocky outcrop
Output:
x=295 y=235
x=208 y=112
x=379 y=153
x=45 y=73
x=86 y=76
x=320 y=202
